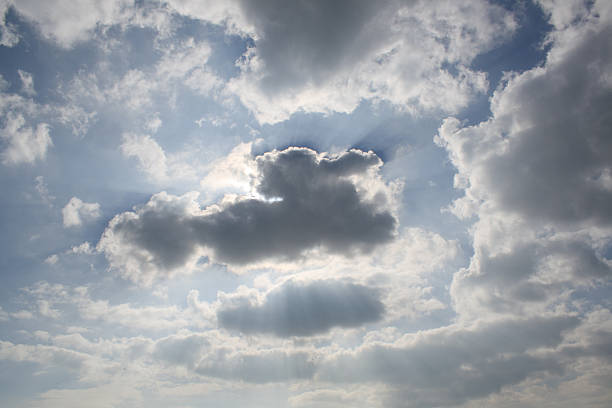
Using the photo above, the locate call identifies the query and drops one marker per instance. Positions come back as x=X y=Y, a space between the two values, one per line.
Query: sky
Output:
x=305 y=204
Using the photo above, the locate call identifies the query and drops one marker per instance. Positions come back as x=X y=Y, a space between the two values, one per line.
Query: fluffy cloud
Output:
x=302 y=201
x=24 y=144
x=323 y=57
x=537 y=175
x=65 y=22
x=76 y=211
x=545 y=154
x=304 y=309
x=315 y=57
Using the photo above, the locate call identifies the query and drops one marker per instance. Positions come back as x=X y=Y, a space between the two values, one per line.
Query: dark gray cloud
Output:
x=326 y=56
x=452 y=365
x=298 y=309
x=306 y=201
x=318 y=206
x=305 y=42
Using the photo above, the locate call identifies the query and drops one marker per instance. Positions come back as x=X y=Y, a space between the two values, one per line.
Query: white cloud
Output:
x=57 y=300
x=77 y=118
x=188 y=62
x=43 y=191
x=52 y=259
x=151 y=157
x=76 y=212
x=22 y=314
x=24 y=144
x=84 y=248
x=45 y=309
x=67 y=22
x=27 y=83
x=154 y=124
x=232 y=172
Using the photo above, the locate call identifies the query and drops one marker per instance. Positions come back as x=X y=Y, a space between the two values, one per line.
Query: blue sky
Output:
x=305 y=204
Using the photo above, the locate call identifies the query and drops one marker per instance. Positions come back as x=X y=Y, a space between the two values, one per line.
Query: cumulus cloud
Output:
x=304 y=309
x=76 y=211
x=537 y=175
x=324 y=57
x=66 y=22
x=24 y=144
x=545 y=154
x=302 y=201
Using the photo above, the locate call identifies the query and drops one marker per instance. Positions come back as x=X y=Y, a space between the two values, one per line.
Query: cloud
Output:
x=27 y=82
x=76 y=211
x=208 y=355
x=302 y=201
x=545 y=154
x=52 y=259
x=55 y=300
x=151 y=157
x=8 y=33
x=65 y=22
x=234 y=171
x=451 y=365
x=24 y=144
x=327 y=57
x=537 y=175
x=262 y=367
x=304 y=309
x=187 y=62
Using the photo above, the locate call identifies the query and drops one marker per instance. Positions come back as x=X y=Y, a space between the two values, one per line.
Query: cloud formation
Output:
x=452 y=365
x=24 y=144
x=327 y=57
x=76 y=211
x=537 y=174
x=302 y=200
x=304 y=309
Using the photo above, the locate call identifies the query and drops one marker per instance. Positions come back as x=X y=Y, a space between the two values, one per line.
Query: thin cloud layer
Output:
x=304 y=309
x=304 y=201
